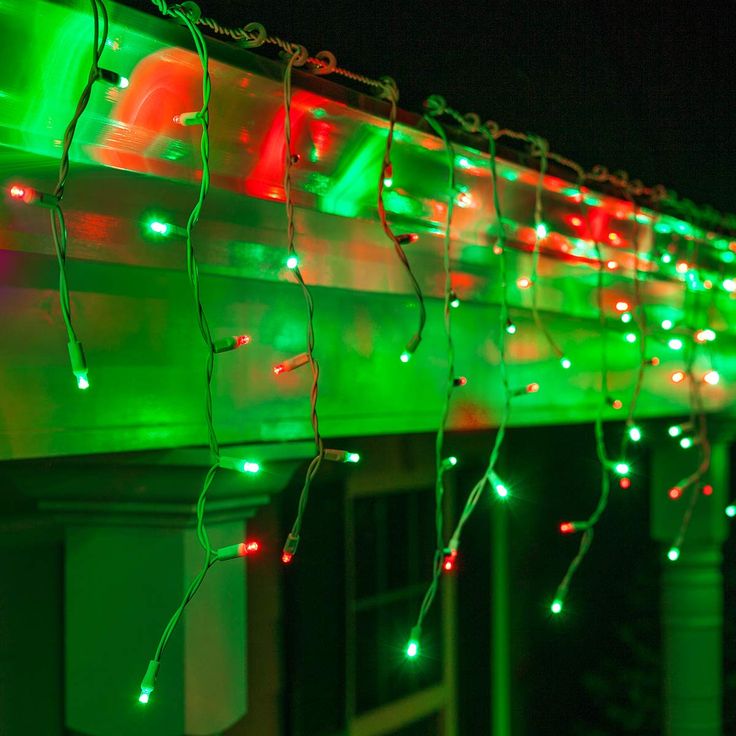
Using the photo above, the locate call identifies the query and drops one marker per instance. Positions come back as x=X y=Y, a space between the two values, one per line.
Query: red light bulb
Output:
x=291 y=364
x=625 y=483
x=532 y=388
x=17 y=192
x=655 y=361
x=407 y=238
x=448 y=561
x=576 y=221
x=567 y=527
x=708 y=490
x=459 y=381
x=286 y=557
x=622 y=306
x=524 y=282
x=675 y=492
x=677 y=377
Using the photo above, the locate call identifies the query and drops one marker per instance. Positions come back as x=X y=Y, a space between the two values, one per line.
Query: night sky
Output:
x=648 y=90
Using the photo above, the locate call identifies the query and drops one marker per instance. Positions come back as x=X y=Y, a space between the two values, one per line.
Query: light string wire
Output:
x=540 y=149
x=435 y=106
x=391 y=93
x=297 y=56
x=253 y=35
x=588 y=526
x=179 y=13
x=640 y=315
x=58 y=223
x=440 y=468
x=697 y=418
x=489 y=130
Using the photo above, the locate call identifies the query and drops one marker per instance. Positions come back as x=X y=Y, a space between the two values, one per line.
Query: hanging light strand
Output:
x=297 y=57
x=438 y=556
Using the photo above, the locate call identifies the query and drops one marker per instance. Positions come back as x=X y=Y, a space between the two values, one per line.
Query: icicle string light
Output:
x=435 y=106
x=53 y=201
x=438 y=564
x=184 y=15
x=588 y=526
x=193 y=273
x=391 y=93
x=540 y=148
x=254 y=35
x=698 y=421
x=299 y=57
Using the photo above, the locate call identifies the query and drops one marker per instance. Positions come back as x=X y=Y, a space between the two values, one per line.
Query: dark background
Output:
x=643 y=87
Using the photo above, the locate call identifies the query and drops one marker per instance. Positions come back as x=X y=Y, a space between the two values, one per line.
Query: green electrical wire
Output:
x=186 y=18
x=298 y=55
x=437 y=561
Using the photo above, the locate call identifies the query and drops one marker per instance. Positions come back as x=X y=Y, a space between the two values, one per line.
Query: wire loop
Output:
x=249 y=42
x=490 y=127
x=435 y=105
x=299 y=54
x=390 y=90
x=539 y=145
x=328 y=65
x=471 y=122
x=189 y=9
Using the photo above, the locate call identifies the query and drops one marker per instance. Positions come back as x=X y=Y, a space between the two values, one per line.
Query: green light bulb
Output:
x=412 y=648
x=388 y=182
x=541 y=230
x=674 y=554
x=626 y=317
x=143 y=698
x=622 y=468
x=502 y=491
x=158 y=227
x=82 y=382
x=731 y=511
x=565 y=363
x=630 y=337
x=634 y=434
x=249 y=467
x=556 y=606
x=675 y=344
x=292 y=262
x=667 y=324
x=686 y=443
x=462 y=162
x=666 y=258
x=675 y=430
x=353 y=457
x=405 y=357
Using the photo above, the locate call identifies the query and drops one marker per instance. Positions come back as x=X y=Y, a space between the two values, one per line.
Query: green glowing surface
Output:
x=129 y=194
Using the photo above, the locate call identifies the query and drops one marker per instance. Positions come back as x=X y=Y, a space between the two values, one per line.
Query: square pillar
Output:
x=692 y=592
x=122 y=585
